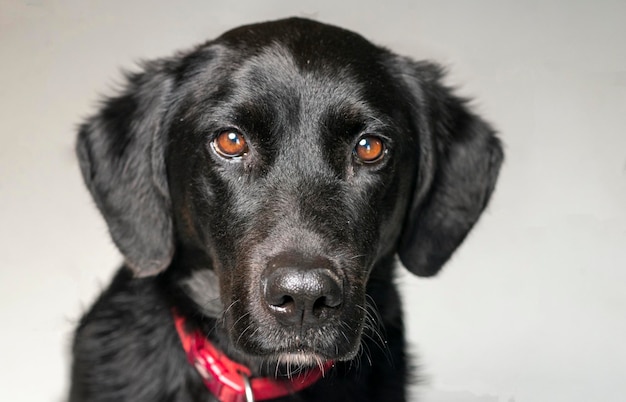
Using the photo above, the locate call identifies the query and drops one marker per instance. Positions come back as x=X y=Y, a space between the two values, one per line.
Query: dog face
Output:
x=296 y=176
x=289 y=162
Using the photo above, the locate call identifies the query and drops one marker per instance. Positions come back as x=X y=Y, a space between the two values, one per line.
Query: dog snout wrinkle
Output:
x=303 y=294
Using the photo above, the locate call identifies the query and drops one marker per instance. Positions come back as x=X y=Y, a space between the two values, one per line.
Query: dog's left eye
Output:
x=230 y=144
x=369 y=149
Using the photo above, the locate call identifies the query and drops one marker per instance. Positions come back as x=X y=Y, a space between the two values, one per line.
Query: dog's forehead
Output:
x=307 y=40
x=275 y=72
x=328 y=54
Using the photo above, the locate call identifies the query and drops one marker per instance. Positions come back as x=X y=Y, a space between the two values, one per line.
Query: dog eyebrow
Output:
x=256 y=117
x=353 y=118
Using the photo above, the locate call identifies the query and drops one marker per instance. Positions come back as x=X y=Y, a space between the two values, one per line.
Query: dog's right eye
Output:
x=230 y=144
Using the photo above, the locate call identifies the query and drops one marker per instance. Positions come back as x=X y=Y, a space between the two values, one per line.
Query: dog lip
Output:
x=302 y=358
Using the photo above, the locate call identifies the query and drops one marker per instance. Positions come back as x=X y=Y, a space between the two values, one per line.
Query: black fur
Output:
x=197 y=230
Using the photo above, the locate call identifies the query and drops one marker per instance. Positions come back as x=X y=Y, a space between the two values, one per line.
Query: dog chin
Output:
x=290 y=364
x=301 y=359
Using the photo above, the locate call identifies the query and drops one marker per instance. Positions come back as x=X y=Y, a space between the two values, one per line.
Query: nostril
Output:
x=320 y=304
x=283 y=302
x=324 y=303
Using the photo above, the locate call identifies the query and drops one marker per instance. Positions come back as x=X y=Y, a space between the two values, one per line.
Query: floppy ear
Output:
x=120 y=151
x=459 y=160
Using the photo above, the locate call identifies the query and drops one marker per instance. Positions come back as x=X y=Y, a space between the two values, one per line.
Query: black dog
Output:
x=260 y=187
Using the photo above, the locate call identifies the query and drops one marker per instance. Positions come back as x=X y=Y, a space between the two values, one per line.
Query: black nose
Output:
x=300 y=291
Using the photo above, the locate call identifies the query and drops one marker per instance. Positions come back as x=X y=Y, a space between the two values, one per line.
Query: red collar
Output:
x=230 y=381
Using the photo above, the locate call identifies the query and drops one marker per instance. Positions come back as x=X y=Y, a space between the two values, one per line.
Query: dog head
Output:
x=282 y=167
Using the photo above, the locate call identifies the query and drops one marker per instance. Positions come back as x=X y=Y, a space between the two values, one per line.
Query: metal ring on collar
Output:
x=248 y=388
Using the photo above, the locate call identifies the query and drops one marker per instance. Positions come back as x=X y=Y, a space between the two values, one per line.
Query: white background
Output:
x=532 y=307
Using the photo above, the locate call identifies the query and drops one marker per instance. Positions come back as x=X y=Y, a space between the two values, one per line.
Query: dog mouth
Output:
x=289 y=364
x=312 y=347
x=285 y=359
x=292 y=363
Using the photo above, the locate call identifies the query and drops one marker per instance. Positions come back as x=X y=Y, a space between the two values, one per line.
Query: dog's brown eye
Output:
x=369 y=149
x=230 y=144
